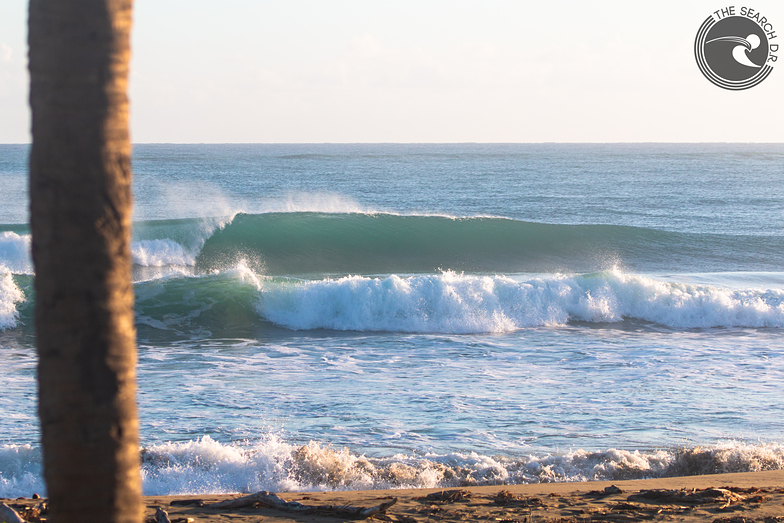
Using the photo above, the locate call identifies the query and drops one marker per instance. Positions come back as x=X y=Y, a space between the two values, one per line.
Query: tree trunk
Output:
x=80 y=217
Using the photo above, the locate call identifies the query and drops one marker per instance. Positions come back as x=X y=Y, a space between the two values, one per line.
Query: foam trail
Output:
x=457 y=303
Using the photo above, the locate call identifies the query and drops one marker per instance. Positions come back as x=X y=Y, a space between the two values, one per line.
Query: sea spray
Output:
x=10 y=296
x=160 y=253
x=15 y=253
x=21 y=471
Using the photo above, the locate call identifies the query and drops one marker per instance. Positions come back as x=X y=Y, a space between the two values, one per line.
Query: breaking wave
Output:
x=207 y=466
x=10 y=296
x=356 y=243
x=457 y=303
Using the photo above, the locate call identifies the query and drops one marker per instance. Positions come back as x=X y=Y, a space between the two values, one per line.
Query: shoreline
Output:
x=685 y=499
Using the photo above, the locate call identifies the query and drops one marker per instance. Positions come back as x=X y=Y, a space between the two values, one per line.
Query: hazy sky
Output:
x=419 y=71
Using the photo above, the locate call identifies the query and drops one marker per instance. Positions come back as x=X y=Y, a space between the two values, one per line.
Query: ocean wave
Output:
x=294 y=242
x=240 y=302
x=21 y=471
x=381 y=243
x=161 y=253
x=458 y=303
x=10 y=296
x=15 y=252
x=205 y=466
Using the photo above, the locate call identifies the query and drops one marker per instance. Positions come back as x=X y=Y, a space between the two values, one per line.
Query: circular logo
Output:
x=733 y=48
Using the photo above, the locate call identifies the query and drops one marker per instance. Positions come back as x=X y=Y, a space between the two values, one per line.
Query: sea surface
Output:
x=371 y=316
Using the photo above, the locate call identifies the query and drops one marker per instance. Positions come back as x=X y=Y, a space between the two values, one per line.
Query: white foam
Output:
x=10 y=295
x=161 y=253
x=205 y=466
x=457 y=303
x=20 y=471
x=15 y=252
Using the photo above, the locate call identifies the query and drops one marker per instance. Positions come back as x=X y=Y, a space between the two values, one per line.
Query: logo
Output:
x=736 y=48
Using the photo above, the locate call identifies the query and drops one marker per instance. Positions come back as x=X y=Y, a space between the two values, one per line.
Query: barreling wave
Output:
x=229 y=275
x=205 y=466
x=317 y=243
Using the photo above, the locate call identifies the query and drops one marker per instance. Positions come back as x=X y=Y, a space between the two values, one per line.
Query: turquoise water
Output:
x=363 y=316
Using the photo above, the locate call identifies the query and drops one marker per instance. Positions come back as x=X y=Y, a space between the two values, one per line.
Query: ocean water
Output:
x=372 y=316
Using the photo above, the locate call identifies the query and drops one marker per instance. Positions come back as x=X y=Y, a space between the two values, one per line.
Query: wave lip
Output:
x=160 y=253
x=457 y=303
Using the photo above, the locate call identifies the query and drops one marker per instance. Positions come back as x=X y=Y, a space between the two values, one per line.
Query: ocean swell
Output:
x=307 y=243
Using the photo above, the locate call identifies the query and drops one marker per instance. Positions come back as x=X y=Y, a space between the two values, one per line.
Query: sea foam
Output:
x=161 y=253
x=206 y=466
x=15 y=252
x=10 y=295
x=458 y=303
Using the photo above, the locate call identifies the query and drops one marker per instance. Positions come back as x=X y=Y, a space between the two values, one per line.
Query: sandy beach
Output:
x=731 y=498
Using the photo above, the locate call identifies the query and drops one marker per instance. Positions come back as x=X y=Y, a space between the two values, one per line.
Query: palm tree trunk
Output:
x=80 y=217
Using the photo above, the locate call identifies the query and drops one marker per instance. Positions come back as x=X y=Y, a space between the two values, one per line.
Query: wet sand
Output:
x=725 y=498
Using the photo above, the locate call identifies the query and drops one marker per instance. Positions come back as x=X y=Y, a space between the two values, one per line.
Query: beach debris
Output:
x=395 y=518
x=33 y=514
x=9 y=515
x=505 y=497
x=749 y=490
x=187 y=503
x=161 y=516
x=446 y=496
x=272 y=500
x=691 y=497
x=175 y=520
x=607 y=491
x=738 y=519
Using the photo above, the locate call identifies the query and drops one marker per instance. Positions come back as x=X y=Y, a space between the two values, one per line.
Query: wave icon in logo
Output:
x=747 y=44
x=733 y=51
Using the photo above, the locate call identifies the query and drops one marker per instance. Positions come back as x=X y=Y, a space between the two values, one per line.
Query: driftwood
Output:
x=9 y=515
x=161 y=516
x=272 y=500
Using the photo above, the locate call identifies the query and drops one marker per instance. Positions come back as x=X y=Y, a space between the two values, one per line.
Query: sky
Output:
x=436 y=71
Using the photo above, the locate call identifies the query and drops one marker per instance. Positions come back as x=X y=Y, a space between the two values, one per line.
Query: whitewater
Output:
x=373 y=316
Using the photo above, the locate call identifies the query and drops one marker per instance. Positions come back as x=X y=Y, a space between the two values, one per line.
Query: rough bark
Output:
x=80 y=217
